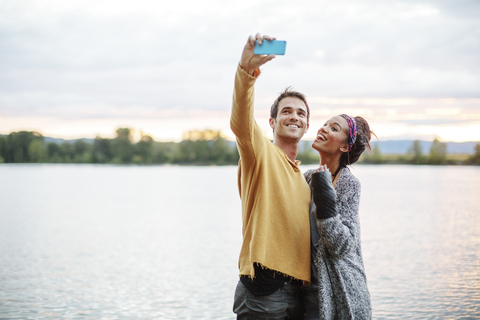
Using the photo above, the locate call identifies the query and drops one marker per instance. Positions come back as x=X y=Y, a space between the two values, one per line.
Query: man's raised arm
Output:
x=247 y=72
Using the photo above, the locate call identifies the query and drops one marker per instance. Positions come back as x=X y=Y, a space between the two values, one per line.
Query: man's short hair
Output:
x=288 y=92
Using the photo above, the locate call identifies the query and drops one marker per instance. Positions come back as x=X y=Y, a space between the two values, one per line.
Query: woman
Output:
x=338 y=278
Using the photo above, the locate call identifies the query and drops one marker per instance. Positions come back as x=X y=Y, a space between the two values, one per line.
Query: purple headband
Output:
x=352 y=125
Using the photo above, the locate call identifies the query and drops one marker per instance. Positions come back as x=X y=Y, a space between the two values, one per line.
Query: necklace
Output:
x=336 y=172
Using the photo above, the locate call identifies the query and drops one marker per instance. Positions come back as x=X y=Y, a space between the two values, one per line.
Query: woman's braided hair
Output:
x=364 y=134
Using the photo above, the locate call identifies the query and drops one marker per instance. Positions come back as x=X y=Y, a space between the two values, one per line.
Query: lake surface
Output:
x=162 y=242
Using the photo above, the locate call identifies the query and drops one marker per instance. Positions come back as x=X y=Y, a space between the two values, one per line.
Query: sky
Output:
x=81 y=69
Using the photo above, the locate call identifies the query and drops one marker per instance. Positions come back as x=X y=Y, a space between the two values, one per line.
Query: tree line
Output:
x=206 y=147
x=197 y=147
x=437 y=155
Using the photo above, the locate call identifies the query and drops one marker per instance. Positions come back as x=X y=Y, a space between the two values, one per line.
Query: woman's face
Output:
x=332 y=138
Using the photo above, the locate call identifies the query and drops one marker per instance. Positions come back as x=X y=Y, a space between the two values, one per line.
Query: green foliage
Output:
x=438 y=153
x=198 y=147
x=206 y=147
x=101 y=151
x=53 y=153
x=82 y=152
x=164 y=152
x=3 y=149
x=68 y=152
x=36 y=152
x=308 y=155
x=122 y=147
x=223 y=152
x=144 y=150
x=190 y=151
x=18 y=146
x=372 y=156
x=416 y=154
x=475 y=158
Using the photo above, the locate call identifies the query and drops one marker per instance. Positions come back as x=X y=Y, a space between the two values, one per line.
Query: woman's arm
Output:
x=337 y=215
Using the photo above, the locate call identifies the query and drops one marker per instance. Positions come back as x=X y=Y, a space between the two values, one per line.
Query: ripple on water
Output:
x=108 y=242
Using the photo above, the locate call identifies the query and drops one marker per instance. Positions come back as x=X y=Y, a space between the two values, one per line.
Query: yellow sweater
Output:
x=275 y=196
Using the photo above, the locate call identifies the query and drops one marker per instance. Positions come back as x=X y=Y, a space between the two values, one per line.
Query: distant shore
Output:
x=208 y=147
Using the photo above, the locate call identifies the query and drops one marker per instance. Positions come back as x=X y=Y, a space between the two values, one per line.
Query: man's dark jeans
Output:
x=285 y=303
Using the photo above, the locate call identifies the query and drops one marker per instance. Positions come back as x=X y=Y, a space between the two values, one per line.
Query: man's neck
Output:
x=290 y=148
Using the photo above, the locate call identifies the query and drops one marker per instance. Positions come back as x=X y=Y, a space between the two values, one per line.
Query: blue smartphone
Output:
x=271 y=47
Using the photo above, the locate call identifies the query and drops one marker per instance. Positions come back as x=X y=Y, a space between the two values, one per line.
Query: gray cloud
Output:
x=436 y=122
x=66 y=60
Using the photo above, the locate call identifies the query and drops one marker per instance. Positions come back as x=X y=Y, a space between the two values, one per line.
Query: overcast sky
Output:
x=75 y=69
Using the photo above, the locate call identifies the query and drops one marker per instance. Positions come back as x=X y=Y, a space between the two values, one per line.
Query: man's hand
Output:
x=250 y=61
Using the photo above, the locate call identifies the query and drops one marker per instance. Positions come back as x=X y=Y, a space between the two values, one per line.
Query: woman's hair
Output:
x=364 y=134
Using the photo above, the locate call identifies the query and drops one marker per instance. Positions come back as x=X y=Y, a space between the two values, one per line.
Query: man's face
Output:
x=291 y=122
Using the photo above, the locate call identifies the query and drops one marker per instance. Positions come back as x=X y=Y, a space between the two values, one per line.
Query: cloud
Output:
x=118 y=59
x=436 y=122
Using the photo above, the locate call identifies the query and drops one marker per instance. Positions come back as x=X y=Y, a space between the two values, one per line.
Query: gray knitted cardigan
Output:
x=342 y=283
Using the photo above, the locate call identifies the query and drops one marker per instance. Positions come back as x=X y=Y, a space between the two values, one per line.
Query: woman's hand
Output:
x=324 y=195
x=322 y=168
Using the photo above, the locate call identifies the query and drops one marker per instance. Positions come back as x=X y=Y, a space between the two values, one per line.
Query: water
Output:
x=162 y=242
x=421 y=241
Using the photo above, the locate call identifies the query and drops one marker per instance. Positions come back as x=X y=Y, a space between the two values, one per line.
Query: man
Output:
x=275 y=255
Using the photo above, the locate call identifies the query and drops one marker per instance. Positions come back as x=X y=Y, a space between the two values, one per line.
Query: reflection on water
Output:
x=421 y=237
x=113 y=242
